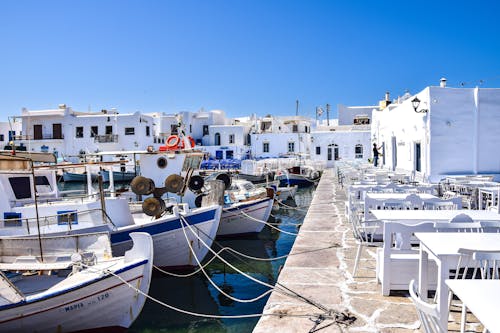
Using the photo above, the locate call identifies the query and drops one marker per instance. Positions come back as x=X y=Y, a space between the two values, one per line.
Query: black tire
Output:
x=196 y=183
x=225 y=178
x=197 y=200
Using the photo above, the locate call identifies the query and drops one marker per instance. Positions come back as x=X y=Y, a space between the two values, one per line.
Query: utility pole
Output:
x=297 y=107
x=327 y=114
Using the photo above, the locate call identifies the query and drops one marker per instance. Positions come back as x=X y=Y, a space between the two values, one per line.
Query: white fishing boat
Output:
x=257 y=172
x=22 y=207
x=285 y=192
x=71 y=283
x=246 y=209
x=302 y=176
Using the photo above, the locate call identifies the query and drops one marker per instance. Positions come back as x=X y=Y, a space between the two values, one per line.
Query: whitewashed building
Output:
x=345 y=138
x=9 y=130
x=452 y=131
x=69 y=133
x=281 y=136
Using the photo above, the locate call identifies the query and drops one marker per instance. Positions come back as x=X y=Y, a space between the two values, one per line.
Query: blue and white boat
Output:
x=171 y=225
x=86 y=290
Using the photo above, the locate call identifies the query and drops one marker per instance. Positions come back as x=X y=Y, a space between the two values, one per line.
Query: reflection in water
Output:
x=196 y=294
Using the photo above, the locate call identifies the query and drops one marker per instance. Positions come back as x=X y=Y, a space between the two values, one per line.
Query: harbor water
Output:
x=196 y=294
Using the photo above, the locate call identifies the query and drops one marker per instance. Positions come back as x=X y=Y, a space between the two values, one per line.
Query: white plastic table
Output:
x=443 y=249
x=418 y=216
x=397 y=196
x=482 y=298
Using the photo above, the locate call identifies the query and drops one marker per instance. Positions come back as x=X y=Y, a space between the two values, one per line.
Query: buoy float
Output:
x=172 y=141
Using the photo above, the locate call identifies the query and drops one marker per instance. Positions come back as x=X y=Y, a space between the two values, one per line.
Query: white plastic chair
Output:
x=486 y=263
x=428 y=313
x=365 y=234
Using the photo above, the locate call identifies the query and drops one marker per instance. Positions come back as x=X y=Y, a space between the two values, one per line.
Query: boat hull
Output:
x=118 y=176
x=298 y=180
x=285 y=192
x=72 y=177
x=106 y=302
x=234 y=221
x=171 y=248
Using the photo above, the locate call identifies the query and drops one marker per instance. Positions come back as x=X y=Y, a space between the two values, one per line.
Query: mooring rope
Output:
x=183 y=221
x=291 y=207
x=338 y=317
x=266 y=223
x=283 y=289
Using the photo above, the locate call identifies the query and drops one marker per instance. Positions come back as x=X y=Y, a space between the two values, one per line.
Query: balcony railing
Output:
x=43 y=137
x=106 y=138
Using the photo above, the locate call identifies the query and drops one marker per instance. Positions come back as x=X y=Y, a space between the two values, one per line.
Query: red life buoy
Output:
x=191 y=142
x=172 y=141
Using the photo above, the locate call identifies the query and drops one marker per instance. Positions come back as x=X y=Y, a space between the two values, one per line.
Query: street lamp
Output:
x=415 y=103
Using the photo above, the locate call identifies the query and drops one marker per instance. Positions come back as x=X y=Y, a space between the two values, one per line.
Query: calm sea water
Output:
x=196 y=294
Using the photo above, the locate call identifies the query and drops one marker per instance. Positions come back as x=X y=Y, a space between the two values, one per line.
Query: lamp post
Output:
x=415 y=103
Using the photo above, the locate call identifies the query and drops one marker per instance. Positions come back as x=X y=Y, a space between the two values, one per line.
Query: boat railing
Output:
x=69 y=218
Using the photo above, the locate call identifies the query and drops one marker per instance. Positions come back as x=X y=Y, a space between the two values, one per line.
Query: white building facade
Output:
x=455 y=132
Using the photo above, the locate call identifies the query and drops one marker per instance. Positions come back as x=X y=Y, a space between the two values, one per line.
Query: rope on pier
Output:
x=338 y=317
x=267 y=223
x=291 y=207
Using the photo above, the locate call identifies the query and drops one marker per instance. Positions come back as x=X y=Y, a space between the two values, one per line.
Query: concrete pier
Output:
x=319 y=268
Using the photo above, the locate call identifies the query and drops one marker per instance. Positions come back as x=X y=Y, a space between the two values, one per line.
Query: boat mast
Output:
x=35 y=194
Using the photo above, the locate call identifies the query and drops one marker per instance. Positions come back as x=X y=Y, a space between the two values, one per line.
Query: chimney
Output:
x=383 y=104
x=442 y=82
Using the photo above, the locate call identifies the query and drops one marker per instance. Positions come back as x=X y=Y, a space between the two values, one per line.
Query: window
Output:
x=218 y=154
x=333 y=152
x=361 y=120
x=295 y=128
x=265 y=147
x=79 y=132
x=93 y=131
x=21 y=187
x=2 y=137
x=229 y=154
x=190 y=128
x=147 y=131
x=318 y=150
x=37 y=132
x=291 y=146
x=109 y=130
x=217 y=139
x=57 y=131
x=129 y=130
x=231 y=138
x=205 y=129
x=12 y=134
x=358 y=151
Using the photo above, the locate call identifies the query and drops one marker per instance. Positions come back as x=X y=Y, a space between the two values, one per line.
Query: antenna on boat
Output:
x=35 y=194
x=11 y=136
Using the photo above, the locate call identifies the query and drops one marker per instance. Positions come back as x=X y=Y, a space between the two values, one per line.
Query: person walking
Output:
x=375 y=154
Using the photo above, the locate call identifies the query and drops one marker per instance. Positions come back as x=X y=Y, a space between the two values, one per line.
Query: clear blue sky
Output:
x=241 y=56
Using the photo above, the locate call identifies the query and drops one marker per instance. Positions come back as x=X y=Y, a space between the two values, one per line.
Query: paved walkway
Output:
x=319 y=268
